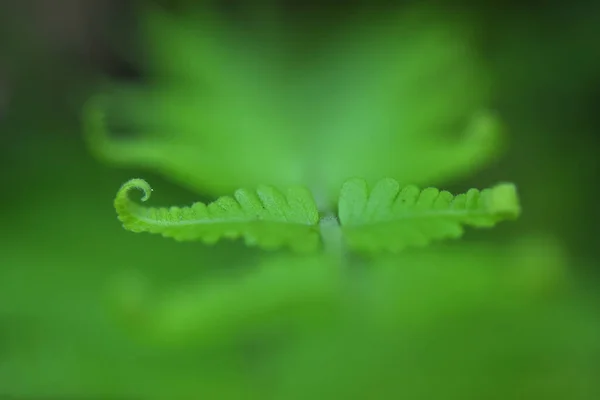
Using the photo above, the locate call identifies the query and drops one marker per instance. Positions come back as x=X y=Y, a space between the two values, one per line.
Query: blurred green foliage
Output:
x=222 y=110
x=90 y=310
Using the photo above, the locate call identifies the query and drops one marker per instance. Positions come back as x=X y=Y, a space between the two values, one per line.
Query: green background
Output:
x=504 y=313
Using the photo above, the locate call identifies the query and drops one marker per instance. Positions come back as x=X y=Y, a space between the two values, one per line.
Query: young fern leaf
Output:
x=265 y=218
x=391 y=218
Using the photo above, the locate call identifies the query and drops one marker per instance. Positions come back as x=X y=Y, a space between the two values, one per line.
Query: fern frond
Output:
x=266 y=217
x=391 y=218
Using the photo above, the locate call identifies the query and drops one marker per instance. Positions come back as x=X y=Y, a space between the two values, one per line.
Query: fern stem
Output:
x=331 y=234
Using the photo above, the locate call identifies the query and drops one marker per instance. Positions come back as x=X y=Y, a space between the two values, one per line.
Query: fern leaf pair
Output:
x=387 y=217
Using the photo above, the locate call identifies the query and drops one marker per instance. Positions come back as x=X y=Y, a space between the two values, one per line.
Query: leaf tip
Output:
x=505 y=200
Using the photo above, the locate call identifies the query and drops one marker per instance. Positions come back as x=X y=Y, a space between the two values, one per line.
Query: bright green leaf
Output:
x=389 y=217
x=266 y=217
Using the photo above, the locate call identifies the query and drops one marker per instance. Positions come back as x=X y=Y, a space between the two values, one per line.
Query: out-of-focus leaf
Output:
x=401 y=96
x=279 y=297
x=407 y=98
x=455 y=323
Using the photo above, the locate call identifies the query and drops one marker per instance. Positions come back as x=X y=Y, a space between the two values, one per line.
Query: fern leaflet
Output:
x=391 y=218
x=265 y=218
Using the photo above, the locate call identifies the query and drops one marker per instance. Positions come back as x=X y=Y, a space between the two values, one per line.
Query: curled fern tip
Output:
x=136 y=183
